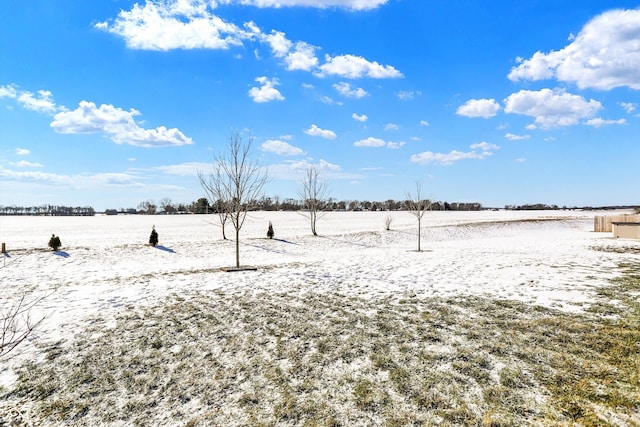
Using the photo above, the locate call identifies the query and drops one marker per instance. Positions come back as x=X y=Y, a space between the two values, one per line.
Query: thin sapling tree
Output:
x=236 y=180
x=313 y=193
x=418 y=207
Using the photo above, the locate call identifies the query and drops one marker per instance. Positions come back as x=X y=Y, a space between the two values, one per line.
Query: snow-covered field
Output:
x=105 y=266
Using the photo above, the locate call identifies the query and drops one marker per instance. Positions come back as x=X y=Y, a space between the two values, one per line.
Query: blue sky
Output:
x=109 y=103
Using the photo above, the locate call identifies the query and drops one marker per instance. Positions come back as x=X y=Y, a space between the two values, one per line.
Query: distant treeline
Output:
x=47 y=210
x=544 y=207
x=203 y=206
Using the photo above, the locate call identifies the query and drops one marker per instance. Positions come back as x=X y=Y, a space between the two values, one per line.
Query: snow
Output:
x=538 y=257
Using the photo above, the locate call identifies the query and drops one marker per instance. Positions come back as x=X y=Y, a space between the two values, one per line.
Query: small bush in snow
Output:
x=54 y=242
x=153 y=238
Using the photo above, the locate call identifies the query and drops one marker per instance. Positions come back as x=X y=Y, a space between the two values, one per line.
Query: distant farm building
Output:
x=626 y=230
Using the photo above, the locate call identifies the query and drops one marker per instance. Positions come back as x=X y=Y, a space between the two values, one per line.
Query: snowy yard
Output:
x=352 y=327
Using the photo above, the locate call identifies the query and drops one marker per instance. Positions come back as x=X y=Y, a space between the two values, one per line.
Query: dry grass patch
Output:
x=257 y=358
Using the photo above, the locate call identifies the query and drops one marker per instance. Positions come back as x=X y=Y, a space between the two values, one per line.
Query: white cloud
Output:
x=81 y=181
x=484 y=146
x=370 y=142
x=377 y=143
x=604 y=55
x=8 y=91
x=25 y=164
x=174 y=25
x=391 y=126
x=521 y=160
x=281 y=148
x=395 y=145
x=447 y=159
x=355 y=67
x=302 y=58
x=185 y=169
x=192 y=24
x=424 y=123
x=118 y=124
x=22 y=151
x=329 y=101
x=345 y=89
x=629 y=107
x=599 y=122
x=485 y=108
x=363 y=118
x=551 y=108
x=294 y=170
x=42 y=102
x=267 y=92
x=320 y=4
x=280 y=44
x=406 y=95
x=514 y=137
x=316 y=131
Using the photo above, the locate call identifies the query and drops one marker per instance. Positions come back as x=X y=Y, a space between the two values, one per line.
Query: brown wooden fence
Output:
x=602 y=224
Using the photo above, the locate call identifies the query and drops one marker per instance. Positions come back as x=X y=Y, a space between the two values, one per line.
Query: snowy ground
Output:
x=539 y=258
x=104 y=263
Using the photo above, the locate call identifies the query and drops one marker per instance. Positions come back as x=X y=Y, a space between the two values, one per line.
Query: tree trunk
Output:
x=419 y=233
x=237 y=247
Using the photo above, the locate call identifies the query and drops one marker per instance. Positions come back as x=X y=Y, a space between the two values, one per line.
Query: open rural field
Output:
x=503 y=319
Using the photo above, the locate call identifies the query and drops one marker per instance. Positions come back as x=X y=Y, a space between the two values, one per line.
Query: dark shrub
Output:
x=54 y=242
x=153 y=238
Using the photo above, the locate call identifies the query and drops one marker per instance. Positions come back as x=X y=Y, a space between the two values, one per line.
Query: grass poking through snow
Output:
x=317 y=359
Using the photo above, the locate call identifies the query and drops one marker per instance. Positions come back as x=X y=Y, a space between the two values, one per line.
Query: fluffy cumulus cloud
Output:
x=360 y=118
x=302 y=57
x=604 y=55
x=281 y=148
x=323 y=133
x=551 y=108
x=346 y=90
x=192 y=24
x=22 y=151
x=41 y=102
x=119 y=124
x=174 y=25
x=478 y=151
x=485 y=108
x=629 y=107
x=377 y=143
x=267 y=91
x=355 y=67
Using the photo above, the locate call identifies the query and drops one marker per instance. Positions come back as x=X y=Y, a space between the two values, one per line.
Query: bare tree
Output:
x=313 y=192
x=235 y=180
x=147 y=207
x=16 y=324
x=167 y=205
x=223 y=216
x=418 y=207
